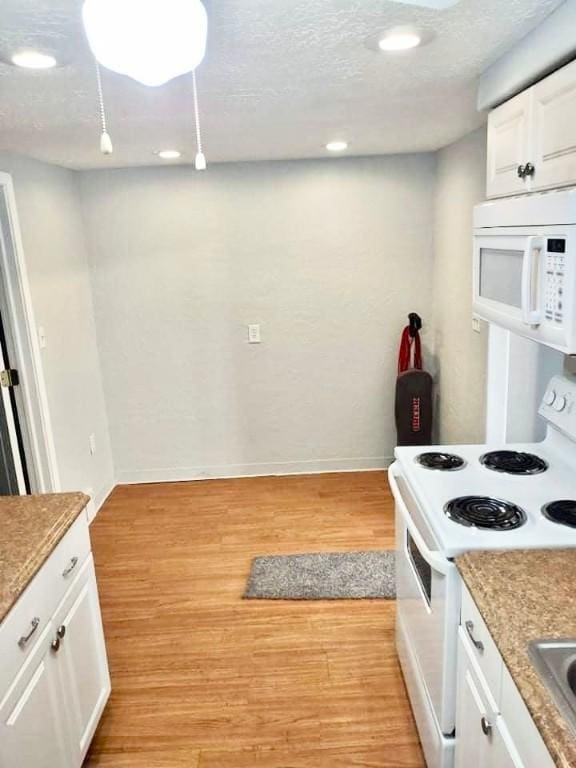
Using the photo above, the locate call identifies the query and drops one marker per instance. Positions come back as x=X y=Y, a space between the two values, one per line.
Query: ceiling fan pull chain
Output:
x=200 y=160
x=105 y=141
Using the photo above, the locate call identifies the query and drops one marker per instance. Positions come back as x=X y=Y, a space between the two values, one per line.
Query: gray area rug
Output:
x=323 y=576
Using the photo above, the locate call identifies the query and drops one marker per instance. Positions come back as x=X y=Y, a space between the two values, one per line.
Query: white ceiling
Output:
x=280 y=79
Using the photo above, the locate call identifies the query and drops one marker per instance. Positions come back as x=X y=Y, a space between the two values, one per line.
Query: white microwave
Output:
x=524 y=269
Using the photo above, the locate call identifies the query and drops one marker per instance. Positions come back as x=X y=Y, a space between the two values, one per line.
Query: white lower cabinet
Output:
x=493 y=726
x=82 y=666
x=54 y=700
x=33 y=723
x=482 y=740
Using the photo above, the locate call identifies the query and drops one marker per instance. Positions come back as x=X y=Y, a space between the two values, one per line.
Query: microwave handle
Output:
x=530 y=315
x=436 y=561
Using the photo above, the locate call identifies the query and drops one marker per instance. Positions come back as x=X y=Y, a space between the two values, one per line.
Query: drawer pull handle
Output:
x=486 y=727
x=61 y=631
x=478 y=644
x=67 y=571
x=25 y=638
x=55 y=644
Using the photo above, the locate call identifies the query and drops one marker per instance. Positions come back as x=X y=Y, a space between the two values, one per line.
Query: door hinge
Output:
x=9 y=378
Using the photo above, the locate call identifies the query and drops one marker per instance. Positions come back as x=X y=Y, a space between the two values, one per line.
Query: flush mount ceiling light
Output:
x=337 y=146
x=438 y=5
x=169 y=154
x=152 y=41
x=399 y=40
x=29 y=59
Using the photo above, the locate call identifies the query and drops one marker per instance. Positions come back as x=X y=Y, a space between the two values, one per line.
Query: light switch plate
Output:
x=254 y=334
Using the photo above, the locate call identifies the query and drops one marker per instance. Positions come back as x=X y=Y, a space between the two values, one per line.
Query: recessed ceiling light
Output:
x=33 y=60
x=337 y=146
x=399 y=40
x=169 y=154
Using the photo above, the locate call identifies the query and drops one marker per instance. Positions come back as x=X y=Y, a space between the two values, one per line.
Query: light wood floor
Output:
x=204 y=679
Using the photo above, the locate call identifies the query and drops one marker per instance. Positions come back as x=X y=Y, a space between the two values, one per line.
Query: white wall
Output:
x=329 y=256
x=460 y=352
x=47 y=199
x=550 y=45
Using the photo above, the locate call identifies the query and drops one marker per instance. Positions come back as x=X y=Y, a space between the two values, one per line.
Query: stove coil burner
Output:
x=562 y=512
x=485 y=512
x=444 y=461
x=514 y=462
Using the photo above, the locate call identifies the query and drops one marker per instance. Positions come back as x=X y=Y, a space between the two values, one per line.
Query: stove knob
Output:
x=560 y=404
x=550 y=396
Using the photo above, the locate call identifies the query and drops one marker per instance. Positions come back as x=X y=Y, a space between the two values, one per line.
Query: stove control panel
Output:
x=559 y=404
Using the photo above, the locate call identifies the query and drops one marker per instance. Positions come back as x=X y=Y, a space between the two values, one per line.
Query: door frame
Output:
x=44 y=474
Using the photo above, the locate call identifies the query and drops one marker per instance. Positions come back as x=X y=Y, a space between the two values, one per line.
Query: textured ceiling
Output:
x=280 y=79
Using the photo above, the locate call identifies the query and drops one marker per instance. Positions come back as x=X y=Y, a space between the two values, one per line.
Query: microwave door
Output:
x=507 y=279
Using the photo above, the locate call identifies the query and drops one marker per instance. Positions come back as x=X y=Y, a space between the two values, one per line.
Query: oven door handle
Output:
x=531 y=313
x=436 y=561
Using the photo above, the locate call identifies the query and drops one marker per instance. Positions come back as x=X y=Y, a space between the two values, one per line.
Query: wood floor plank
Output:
x=204 y=679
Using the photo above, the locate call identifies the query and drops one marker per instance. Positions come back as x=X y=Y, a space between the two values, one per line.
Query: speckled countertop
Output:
x=30 y=528
x=528 y=595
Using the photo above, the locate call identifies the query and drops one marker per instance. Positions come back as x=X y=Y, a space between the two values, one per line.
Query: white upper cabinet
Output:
x=554 y=129
x=508 y=146
x=532 y=138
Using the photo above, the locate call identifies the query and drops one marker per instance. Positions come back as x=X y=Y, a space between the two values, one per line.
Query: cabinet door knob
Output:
x=486 y=727
x=55 y=645
x=61 y=631
x=529 y=169
x=521 y=171
x=478 y=644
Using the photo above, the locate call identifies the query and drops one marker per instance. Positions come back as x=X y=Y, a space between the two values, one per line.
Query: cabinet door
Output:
x=82 y=662
x=504 y=752
x=508 y=146
x=554 y=130
x=482 y=738
x=472 y=744
x=32 y=718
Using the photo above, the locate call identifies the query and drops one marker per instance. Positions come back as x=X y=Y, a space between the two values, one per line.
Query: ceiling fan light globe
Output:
x=152 y=41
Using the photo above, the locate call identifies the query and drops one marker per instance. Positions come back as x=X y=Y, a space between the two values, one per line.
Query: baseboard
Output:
x=316 y=466
x=97 y=499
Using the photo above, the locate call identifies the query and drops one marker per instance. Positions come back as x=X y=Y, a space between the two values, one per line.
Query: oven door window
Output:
x=501 y=276
x=421 y=568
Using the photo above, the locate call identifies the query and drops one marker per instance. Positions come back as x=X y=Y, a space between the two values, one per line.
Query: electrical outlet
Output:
x=476 y=324
x=92 y=443
x=254 y=334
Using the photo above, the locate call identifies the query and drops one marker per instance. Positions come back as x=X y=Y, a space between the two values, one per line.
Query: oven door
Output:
x=428 y=605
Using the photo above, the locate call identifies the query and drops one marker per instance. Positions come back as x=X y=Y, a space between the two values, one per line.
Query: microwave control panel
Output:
x=555 y=266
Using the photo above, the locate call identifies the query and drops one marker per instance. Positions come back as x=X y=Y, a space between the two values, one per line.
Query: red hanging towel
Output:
x=410 y=346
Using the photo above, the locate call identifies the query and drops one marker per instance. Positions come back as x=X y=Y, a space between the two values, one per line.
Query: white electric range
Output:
x=457 y=498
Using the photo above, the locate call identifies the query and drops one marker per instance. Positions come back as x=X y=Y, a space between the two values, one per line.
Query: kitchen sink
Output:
x=555 y=661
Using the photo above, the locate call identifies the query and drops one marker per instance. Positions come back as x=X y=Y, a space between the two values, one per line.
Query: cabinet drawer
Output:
x=481 y=647
x=31 y=613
